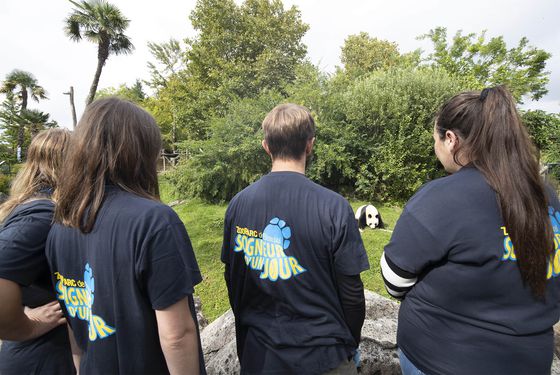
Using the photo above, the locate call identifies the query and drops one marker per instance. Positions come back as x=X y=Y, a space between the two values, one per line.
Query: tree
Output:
x=35 y=122
x=101 y=23
x=22 y=85
x=363 y=54
x=544 y=129
x=481 y=62
x=12 y=119
x=170 y=59
x=374 y=136
x=239 y=52
x=134 y=93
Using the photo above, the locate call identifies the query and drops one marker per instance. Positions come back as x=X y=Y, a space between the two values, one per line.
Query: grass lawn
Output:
x=204 y=224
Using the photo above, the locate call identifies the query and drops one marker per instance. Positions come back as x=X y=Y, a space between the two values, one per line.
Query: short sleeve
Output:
x=22 y=250
x=412 y=247
x=167 y=268
x=350 y=257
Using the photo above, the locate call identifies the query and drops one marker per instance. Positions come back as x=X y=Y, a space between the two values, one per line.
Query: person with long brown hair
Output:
x=475 y=255
x=121 y=261
x=31 y=320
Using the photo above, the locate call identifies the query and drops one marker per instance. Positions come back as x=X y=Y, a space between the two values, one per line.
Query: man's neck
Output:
x=281 y=165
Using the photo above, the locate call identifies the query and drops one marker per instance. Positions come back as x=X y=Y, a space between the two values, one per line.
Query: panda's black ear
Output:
x=381 y=223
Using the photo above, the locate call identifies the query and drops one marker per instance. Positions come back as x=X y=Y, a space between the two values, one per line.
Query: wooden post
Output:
x=71 y=94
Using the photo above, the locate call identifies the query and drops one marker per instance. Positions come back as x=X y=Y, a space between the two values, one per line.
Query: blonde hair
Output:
x=44 y=159
x=287 y=128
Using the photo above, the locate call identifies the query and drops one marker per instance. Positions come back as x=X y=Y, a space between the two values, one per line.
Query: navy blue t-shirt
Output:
x=469 y=312
x=285 y=239
x=138 y=258
x=22 y=260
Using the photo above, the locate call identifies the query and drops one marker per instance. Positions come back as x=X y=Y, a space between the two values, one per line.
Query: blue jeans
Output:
x=407 y=367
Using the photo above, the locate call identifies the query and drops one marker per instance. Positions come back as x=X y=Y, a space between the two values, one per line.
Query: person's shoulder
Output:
x=137 y=208
x=331 y=197
x=37 y=209
x=247 y=193
x=450 y=189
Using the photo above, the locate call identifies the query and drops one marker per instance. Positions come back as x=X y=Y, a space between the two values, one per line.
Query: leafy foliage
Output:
x=544 y=129
x=232 y=157
x=362 y=54
x=374 y=116
x=481 y=62
x=134 y=93
x=239 y=52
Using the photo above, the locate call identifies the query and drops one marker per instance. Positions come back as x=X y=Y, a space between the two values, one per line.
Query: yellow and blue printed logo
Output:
x=554 y=264
x=78 y=297
x=264 y=251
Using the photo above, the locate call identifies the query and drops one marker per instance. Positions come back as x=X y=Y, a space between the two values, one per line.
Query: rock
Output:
x=225 y=361
x=378 y=306
x=176 y=203
x=555 y=369
x=378 y=346
x=202 y=321
x=217 y=335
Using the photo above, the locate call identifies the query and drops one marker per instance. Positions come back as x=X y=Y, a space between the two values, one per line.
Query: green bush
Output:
x=378 y=132
x=232 y=158
x=5 y=182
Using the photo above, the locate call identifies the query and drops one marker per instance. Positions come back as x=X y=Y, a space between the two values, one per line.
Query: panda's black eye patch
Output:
x=377 y=216
x=369 y=216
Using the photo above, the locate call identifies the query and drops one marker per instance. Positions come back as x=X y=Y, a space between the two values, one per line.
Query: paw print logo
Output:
x=278 y=233
x=555 y=219
x=90 y=283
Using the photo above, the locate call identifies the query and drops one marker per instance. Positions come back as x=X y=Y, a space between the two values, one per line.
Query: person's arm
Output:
x=76 y=351
x=16 y=324
x=398 y=282
x=226 y=251
x=178 y=338
x=351 y=294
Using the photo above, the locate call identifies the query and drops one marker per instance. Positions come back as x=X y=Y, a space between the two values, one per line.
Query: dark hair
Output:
x=115 y=142
x=287 y=128
x=493 y=138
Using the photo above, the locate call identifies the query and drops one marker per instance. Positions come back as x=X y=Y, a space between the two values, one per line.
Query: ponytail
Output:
x=496 y=142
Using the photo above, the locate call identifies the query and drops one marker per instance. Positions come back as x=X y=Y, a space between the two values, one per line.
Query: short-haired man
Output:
x=293 y=257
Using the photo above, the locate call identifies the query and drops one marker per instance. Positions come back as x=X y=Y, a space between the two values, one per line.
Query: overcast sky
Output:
x=32 y=37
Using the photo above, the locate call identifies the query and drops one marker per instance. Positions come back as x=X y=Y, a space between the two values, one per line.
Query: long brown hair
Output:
x=495 y=141
x=40 y=171
x=116 y=142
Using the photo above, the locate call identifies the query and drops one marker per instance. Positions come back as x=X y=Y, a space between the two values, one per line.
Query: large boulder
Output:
x=218 y=345
x=378 y=346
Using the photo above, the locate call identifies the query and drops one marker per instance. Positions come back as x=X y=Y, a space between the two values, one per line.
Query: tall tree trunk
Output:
x=93 y=88
x=23 y=99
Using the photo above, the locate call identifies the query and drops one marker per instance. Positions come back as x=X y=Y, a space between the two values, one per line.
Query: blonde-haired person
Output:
x=475 y=254
x=121 y=260
x=34 y=339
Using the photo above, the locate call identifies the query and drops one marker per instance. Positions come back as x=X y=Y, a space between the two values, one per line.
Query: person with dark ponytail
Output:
x=475 y=255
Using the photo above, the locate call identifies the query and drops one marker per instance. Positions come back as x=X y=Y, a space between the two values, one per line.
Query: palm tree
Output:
x=22 y=84
x=101 y=23
x=36 y=121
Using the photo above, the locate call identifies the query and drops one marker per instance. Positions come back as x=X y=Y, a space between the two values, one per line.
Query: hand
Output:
x=357 y=358
x=46 y=317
